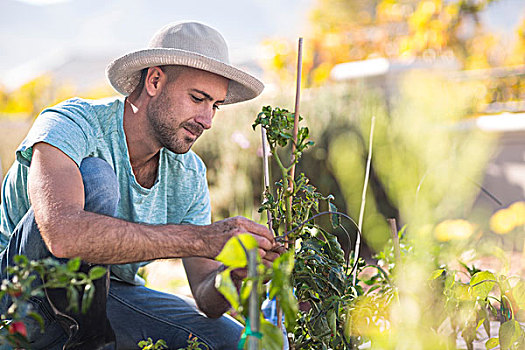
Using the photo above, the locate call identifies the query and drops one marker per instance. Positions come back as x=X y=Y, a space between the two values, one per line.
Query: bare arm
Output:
x=57 y=197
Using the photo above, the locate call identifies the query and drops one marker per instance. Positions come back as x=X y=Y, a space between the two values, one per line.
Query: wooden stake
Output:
x=297 y=103
x=363 y=197
x=266 y=173
x=395 y=240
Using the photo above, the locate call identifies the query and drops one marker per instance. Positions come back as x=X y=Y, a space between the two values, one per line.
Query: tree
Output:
x=343 y=31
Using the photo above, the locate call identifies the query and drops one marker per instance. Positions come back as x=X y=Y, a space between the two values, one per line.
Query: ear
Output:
x=156 y=79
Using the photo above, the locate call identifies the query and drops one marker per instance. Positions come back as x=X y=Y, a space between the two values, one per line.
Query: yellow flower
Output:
x=518 y=208
x=503 y=221
x=453 y=229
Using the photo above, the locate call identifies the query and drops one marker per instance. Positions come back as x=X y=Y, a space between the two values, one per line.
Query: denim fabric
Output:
x=135 y=312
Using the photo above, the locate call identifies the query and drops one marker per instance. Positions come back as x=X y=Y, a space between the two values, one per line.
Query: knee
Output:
x=230 y=333
x=101 y=189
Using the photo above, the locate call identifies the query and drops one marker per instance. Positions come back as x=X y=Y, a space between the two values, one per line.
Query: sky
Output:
x=38 y=31
x=29 y=31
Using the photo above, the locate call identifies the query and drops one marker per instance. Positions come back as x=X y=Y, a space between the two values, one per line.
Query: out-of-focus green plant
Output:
x=148 y=344
x=234 y=256
x=471 y=301
x=19 y=289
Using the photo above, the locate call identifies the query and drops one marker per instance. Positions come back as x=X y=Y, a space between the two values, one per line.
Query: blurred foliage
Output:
x=32 y=97
x=420 y=160
x=461 y=306
x=20 y=106
x=433 y=30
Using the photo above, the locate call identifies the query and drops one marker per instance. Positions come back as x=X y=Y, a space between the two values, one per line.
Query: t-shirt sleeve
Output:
x=200 y=210
x=66 y=127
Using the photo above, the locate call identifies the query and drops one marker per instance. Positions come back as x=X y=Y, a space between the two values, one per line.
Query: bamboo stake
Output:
x=266 y=173
x=395 y=240
x=297 y=103
x=295 y=126
x=363 y=197
x=295 y=131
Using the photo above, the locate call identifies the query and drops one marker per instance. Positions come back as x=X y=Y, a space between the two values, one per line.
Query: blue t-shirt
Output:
x=84 y=128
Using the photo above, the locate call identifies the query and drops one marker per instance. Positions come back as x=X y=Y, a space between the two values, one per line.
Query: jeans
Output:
x=135 y=312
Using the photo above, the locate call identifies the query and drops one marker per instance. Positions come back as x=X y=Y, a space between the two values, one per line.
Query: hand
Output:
x=225 y=229
x=271 y=255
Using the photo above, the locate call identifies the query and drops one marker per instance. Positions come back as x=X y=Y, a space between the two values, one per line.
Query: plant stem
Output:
x=363 y=197
x=253 y=342
x=287 y=195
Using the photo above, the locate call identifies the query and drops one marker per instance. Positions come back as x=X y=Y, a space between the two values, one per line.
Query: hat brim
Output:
x=124 y=72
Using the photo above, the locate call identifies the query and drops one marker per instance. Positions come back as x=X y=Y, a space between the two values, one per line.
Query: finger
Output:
x=262 y=253
x=239 y=273
x=259 y=230
x=271 y=256
x=263 y=243
x=279 y=249
x=267 y=263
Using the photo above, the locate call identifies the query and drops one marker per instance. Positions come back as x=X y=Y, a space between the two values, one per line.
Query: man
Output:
x=115 y=183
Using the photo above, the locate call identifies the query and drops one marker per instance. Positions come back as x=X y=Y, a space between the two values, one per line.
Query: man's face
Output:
x=185 y=108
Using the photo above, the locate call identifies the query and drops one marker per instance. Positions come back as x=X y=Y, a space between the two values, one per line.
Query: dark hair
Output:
x=143 y=75
x=172 y=71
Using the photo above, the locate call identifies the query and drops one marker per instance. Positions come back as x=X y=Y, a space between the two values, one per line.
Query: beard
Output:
x=166 y=128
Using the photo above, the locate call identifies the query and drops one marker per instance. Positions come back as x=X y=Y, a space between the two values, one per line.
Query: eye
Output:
x=196 y=99
x=216 y=107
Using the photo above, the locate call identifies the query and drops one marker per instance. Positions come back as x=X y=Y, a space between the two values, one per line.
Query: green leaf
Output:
x=246 y=289
x=518 y=292
x=486 y=323
x=334 y=218
x=461 y=292
x=510 y=332
x=492 y=343
x=225 y=285
x=73 y=264
x=233 y=253
x=281 y=289
x=72 y=297
x=436 y=273
x=482 y=283
x=161 y=344
x=331 y=316
x=480 y=323
x=87 y=297
x=272 y=338
x=38 y=319
x=97 y=272
x=21 y=260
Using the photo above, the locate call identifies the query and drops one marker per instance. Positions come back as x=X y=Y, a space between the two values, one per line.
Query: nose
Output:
x=204 y=118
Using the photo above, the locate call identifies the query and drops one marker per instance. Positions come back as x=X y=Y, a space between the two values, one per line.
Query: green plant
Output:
x=235 y=255
x=19 y=288
x=321 y=277
x=150 y=345
x=314 y=267
x=475 y=300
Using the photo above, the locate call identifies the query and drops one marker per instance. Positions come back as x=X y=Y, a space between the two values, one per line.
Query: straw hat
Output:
x=189 y=44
